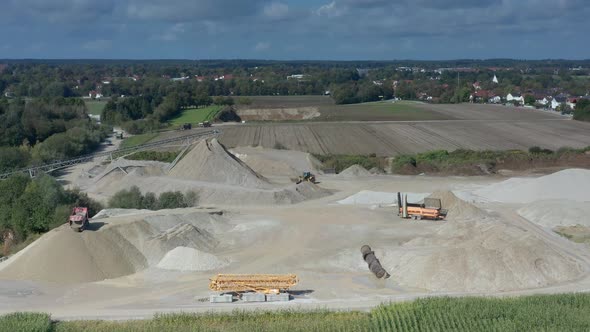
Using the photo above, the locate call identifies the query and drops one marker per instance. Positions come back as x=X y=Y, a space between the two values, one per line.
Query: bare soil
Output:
x=393 y=138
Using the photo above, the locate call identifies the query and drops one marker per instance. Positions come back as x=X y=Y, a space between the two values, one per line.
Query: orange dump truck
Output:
x=430 y=209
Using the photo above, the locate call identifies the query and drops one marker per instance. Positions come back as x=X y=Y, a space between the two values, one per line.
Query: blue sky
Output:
x=323 y=30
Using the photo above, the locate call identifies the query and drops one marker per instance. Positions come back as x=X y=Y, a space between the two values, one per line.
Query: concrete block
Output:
x=253 y=297
x=281 y=297
x=223 y=298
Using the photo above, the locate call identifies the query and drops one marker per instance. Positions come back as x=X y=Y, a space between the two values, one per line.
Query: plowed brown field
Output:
x=466 y=126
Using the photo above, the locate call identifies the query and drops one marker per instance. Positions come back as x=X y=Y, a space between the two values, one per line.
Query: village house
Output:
x=95 y=94
x=557 y=101
x=515 y=98
x=495 y=100
x=480 y=96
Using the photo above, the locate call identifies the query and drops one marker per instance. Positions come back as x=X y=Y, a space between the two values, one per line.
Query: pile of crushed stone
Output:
x=209 y=161
x=570 y=184
x=190 y=259
x=557 y=213
x=355 y=170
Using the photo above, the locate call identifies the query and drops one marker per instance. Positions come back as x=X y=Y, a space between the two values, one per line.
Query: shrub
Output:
x=133 y=199
x=403 y=161
x=127 y=199
x=279 y=146
x=342 y=162
x=538 y=150
x=163 y=156
x=171 y=200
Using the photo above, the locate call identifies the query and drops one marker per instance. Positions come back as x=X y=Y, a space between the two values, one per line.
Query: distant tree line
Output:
x=45 y=129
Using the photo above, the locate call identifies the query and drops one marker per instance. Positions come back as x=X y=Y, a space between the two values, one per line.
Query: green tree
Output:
x=171 y=200
x=150 y=202
x=529 y=100
x=127 y=199
x=582 y=110
x=13 y=158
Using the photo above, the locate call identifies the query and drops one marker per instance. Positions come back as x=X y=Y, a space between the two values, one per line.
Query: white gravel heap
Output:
x=355 y=170
x=557 y=213
x=189 y=259
x=367 y=197
x=570 y=184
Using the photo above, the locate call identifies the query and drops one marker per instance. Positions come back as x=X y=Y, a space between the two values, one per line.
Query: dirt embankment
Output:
x=485 y=167
x=278 y=113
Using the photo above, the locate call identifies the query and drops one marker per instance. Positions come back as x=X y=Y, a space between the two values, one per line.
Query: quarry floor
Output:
x=318 y=240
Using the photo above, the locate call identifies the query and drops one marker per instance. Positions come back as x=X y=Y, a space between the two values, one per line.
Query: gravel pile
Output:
x=355 y=170
x=189 y=259
x=209 y=161
x=570 y=184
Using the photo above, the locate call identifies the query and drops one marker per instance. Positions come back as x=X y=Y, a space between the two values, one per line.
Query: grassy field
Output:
x=138 y=140
x=163 y=156
x=95 y=107
x=196 y=115
x=563 y=312
x=578 y=233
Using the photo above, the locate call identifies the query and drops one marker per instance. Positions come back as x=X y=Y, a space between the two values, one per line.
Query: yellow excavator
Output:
x=307 y=176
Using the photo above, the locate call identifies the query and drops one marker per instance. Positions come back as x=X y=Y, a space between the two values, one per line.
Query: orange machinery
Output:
x=430 y=209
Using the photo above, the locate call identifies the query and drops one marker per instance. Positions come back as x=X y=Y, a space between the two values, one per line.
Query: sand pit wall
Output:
x=278 y=114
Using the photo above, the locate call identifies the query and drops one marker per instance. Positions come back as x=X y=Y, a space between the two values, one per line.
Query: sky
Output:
x=295 y=30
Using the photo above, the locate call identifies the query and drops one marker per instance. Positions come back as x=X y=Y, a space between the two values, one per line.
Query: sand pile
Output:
x=63 y=256
x=209 y=161
x=189 y=259
x=355 y=170
x=557 y=213
x=571 y=184
x=111 y=248
x=457 y=208
x=470 y=255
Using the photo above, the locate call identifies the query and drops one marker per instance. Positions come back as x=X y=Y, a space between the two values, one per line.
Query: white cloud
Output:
x=173 y=33
x=98 y=45
x=262 y=46
x=276 y=10
x=330 y=10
